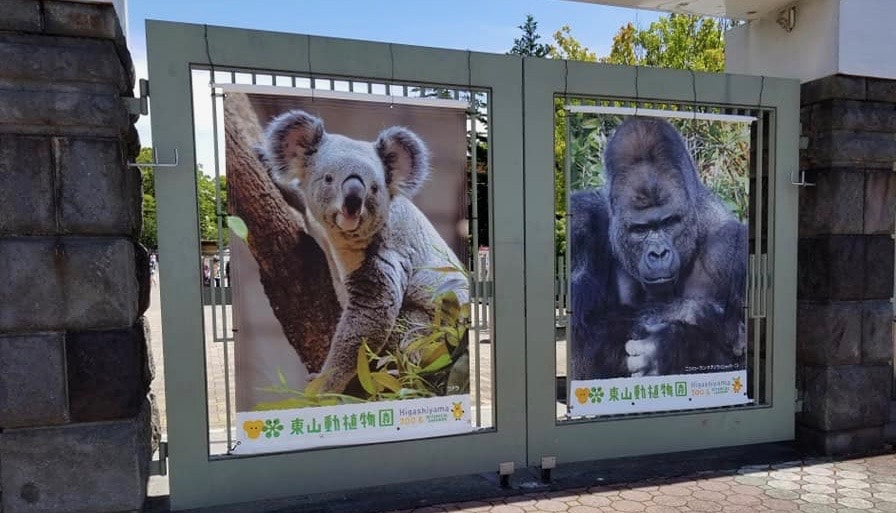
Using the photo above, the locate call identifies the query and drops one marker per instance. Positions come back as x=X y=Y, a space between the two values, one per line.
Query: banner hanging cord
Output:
x=694 y=90
x=637 y=91
x=472 y=108
x=565 y=81
x=391 y=76
x=308 y=63
x=208 y=56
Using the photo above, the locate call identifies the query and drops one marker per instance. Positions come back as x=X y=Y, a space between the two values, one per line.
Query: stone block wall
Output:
x=76 y=430
x=845 y=275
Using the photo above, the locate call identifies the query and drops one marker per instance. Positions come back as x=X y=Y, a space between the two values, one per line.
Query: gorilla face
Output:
x=653 y=228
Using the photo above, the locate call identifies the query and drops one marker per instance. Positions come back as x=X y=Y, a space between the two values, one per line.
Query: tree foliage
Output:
x=568 y=47
x=528 y=44
x=680 y=41
x=208 y=209
x=149 y=234
x=205 y=185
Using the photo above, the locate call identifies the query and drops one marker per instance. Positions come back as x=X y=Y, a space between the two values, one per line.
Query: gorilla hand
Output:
x=641 y=354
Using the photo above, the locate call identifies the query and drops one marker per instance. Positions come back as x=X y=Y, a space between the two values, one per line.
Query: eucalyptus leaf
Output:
x=439 y=363
x=364 y=371
x=238 y=227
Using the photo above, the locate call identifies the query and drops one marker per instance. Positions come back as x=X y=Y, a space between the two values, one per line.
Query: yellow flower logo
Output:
x=457 y=410
x=582 y=395
x=253 y=428
x=737 y=385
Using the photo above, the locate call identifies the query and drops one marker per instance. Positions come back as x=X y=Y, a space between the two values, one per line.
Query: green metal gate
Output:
x=516 y=420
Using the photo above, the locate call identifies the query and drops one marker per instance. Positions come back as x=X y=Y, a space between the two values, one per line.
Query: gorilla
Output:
x=658 y=265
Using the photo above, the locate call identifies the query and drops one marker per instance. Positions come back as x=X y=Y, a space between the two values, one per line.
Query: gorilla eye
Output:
x=639 y=229
x=671 y=220
x=328 y=178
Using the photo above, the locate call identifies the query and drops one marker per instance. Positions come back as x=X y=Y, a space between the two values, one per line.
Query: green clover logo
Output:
x=272 y=428
x=596 y=394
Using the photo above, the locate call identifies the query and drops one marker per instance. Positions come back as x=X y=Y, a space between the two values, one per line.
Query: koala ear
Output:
x=289 y=140
x=405 y=159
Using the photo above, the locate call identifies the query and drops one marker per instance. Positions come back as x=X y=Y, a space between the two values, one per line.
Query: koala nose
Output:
x=353 y=195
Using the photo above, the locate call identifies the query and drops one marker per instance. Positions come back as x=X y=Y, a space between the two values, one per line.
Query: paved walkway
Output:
x=677 y=483
x=815 y=486
x=214 y=364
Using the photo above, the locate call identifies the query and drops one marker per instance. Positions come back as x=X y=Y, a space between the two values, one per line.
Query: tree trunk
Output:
x=292 y=266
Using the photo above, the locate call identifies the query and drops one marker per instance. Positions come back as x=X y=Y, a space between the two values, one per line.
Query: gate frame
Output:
x=200 y=480
x=570 y=441
x=522 y=222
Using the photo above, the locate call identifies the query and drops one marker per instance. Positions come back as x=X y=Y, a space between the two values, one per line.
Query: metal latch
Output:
x=159 y=467
x=139 y=105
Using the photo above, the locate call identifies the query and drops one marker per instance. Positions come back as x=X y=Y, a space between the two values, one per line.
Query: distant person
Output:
x=153 y=267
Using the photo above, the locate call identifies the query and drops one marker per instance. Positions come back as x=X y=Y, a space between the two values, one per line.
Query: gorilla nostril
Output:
x=659 y=255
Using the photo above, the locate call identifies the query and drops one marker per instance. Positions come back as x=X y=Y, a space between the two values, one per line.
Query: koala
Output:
x=386 y=259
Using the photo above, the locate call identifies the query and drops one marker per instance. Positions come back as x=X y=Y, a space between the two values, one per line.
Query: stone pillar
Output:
x=845 y=317
x=75 y=418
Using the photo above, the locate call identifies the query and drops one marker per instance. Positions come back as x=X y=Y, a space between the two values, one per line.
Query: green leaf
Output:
x=420 y=342
x=433 y=353
x=281 y=377
x=238 y=226
x=314 y=387
x=386 y=380
x=439 y=363
x=364 y=370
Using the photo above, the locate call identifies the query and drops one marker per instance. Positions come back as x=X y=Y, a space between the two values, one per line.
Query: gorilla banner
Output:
x=657 y=248
x=350 y=295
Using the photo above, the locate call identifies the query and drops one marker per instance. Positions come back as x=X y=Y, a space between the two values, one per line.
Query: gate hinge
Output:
x=548 y=463
x=159 y=467
x=139 y=105
x=505 y=470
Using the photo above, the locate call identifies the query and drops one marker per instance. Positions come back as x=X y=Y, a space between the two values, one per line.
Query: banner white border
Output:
x=648 y=394
x=340 y=95
x=259 y=432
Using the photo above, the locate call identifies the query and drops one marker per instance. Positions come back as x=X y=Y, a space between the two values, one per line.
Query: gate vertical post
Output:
x=845 y=334
x=75 y=421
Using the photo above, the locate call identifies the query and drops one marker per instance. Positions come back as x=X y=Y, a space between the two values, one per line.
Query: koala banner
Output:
x=348 y=243
x=658 y=248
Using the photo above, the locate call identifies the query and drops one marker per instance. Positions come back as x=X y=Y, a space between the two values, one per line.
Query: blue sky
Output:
x=481 y=25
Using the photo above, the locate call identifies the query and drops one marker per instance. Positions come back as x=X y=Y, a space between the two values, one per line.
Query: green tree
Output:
x=680 y=41
x=528 y=44
x=568 y=47
x=208 y=212
x=206 y=190
x=149 y=233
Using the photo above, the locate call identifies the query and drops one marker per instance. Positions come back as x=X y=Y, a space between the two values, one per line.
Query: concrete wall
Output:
x=762 y=47
x=845 y=318
x=75 y=419
x=851 y=37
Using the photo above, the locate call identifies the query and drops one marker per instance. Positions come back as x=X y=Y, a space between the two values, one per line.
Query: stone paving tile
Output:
x=813 y=486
